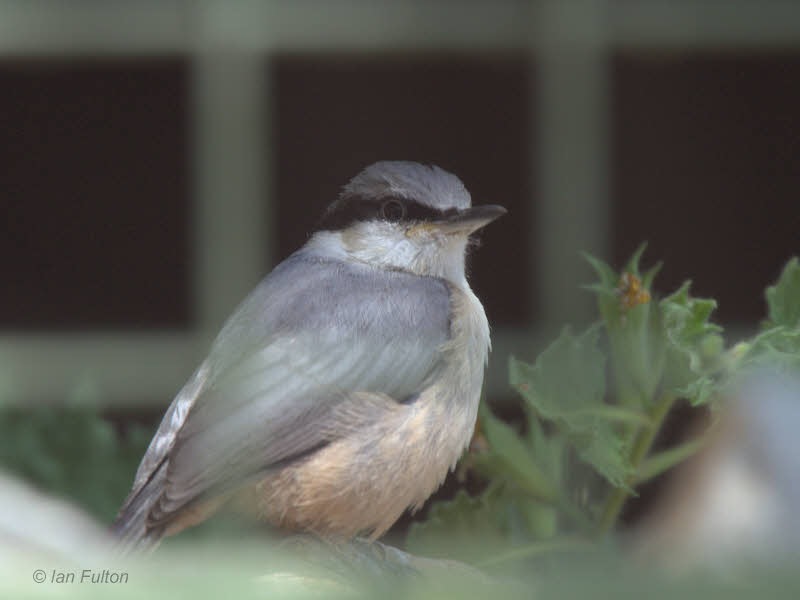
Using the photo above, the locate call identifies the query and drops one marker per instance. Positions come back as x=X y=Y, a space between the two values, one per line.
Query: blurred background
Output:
x=157 y=158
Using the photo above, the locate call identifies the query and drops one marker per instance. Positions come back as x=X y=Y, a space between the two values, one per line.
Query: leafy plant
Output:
x=594 y=402
x=72 y=452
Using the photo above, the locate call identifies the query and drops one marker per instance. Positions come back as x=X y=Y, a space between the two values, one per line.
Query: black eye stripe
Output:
x=419 y=212
x=348 y=211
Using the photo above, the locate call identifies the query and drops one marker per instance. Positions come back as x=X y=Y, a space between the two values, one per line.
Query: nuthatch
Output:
x=345 y=386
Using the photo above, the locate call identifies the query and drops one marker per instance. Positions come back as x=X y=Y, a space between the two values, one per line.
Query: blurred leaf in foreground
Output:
x=452 y=527
x=72 y=452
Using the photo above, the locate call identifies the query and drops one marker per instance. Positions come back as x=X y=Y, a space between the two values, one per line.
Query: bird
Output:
x=345 y=386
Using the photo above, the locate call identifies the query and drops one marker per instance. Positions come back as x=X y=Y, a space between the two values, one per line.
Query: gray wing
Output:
x=309 y=335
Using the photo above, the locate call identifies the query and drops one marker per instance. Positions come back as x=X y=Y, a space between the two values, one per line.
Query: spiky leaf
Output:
x=693 y=344
x=567 y=385
x=783 y=298
x=567 y=381
x=511 y=457
x=634 y=329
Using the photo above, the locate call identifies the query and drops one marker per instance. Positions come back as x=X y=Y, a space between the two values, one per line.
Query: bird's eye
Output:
x=393 y=210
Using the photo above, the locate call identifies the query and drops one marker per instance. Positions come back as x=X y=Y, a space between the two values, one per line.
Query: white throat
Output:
x=387 y=246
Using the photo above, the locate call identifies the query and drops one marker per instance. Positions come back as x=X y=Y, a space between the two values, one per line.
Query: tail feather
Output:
x=131 y=525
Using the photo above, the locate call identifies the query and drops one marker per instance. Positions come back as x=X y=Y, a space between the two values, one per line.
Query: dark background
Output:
x=96 y=182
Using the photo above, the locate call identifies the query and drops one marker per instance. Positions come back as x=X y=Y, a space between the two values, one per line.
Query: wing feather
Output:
x=313 y=333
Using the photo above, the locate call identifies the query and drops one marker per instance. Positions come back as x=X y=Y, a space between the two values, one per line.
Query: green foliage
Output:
x=782 y=298
x=72 y=452
x=778 y=344
x=594 y=402
x=513 y=457
x=693 y=345
x=452 y=527
x=553 y=392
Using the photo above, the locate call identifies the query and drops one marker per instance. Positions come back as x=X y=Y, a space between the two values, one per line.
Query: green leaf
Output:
x=699 y=391
x=567 y=386
x=549 y=451
x=509 y=455
x=479 y=530
x=650 y=275
x=783 y=298
x=567 y=381
x=634 y=329
x=632 y=266
x=686 y=318
x=541 y=519
x=694 y=345
x=776 y=348
x=454 y=527
x=608 y=453
x=605 y=289
x=72 y=452
x=608 y=277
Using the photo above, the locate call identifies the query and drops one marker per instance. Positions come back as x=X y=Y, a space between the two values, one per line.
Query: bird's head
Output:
x=404 y=215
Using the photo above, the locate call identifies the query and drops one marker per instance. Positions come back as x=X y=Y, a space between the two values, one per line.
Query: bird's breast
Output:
x=363 y=481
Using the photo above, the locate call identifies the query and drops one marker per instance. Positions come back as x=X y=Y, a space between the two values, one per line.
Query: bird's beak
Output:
x=469 y=220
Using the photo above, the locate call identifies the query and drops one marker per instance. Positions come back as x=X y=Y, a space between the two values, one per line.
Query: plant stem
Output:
x=656 y=464
x=539 y=548
x=577 y=516
x=641 y=447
